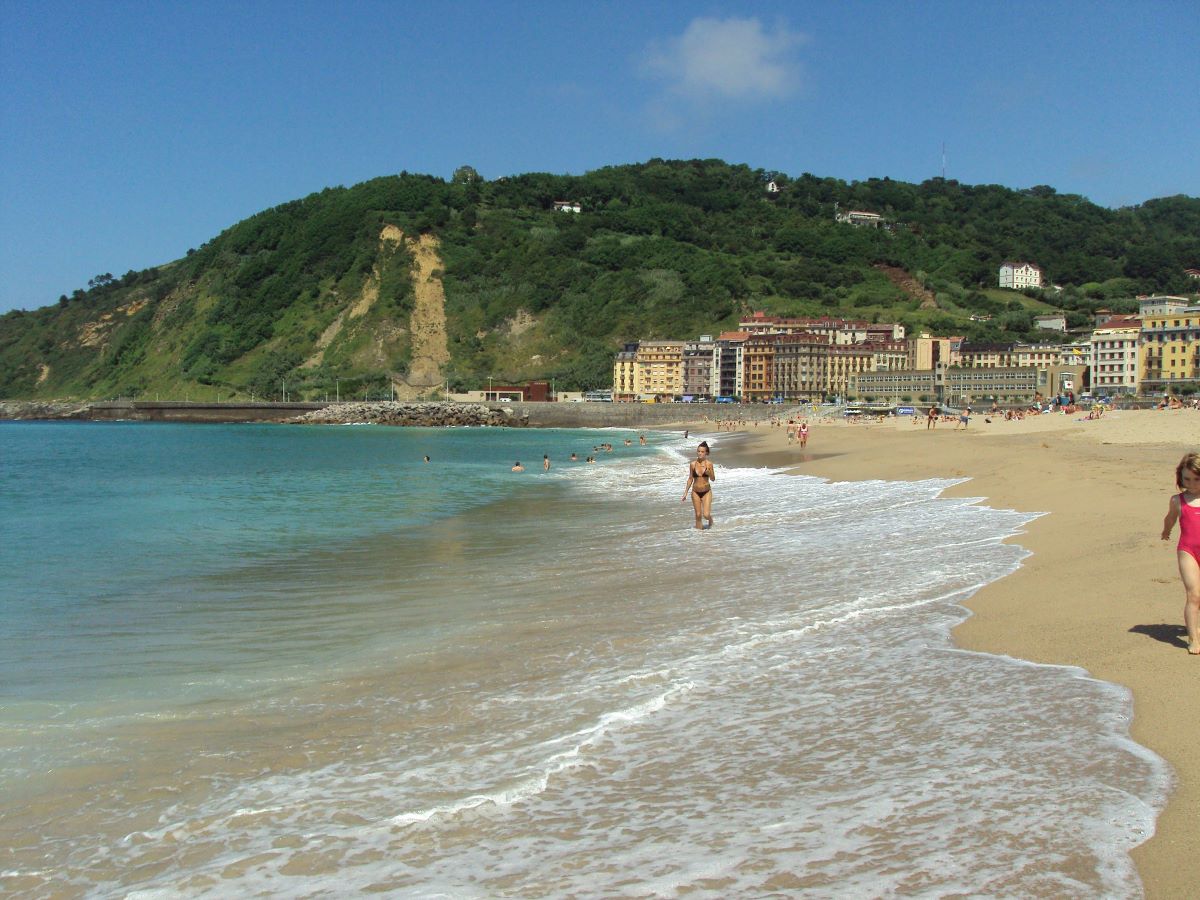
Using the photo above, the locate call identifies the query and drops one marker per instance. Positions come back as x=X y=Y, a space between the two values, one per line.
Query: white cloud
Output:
x=728 y=59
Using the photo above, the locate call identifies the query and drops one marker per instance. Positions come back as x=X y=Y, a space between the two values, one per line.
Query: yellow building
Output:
x=1169 y=350
x=625 y=383
x=926 y=352
x=659 y=369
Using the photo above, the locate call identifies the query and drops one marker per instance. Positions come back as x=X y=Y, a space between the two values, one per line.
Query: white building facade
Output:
x=1017 y=275
x=1115 y=356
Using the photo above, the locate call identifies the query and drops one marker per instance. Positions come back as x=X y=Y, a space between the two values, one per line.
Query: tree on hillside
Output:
x=465 y=175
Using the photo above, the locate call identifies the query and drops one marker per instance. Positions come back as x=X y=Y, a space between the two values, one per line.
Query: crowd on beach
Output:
x=1173 y=402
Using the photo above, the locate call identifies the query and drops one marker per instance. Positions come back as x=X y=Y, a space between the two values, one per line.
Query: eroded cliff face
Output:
x=427 y=324
x=390 y=238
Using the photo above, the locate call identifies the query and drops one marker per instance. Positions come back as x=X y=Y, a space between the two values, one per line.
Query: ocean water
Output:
x=298 y=661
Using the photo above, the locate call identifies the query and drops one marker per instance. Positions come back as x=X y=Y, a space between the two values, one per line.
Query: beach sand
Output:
x=1101 y=590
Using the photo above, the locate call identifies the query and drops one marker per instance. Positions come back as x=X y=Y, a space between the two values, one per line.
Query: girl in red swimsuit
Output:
x=1185 y=508
x=700 y=478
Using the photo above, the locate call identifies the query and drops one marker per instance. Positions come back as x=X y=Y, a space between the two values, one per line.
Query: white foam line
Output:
x=641 y=676
x=559 y=762
x=777 y=636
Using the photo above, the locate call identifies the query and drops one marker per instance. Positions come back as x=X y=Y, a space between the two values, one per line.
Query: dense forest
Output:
x=307 y=297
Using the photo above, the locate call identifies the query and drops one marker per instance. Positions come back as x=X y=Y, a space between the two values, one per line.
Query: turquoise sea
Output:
x=300 y=661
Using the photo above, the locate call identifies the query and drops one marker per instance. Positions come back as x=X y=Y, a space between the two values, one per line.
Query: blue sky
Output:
x=131 y=131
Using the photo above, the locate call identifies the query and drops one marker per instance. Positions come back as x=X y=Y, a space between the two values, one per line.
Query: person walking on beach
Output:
x=699 y=483
x=931 y=418
x=1185 y=509
x=803 y=433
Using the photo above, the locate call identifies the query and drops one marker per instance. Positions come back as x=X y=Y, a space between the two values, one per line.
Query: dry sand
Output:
x=1101 y=590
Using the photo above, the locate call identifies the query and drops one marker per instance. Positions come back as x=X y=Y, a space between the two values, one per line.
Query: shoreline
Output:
x=1100 y=590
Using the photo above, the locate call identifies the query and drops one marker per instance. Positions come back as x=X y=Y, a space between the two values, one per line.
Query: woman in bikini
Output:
x=699 y=483
x=1184 y=508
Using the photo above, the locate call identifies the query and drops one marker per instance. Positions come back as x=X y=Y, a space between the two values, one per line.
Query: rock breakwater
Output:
x=435 y=415
x=42 y=409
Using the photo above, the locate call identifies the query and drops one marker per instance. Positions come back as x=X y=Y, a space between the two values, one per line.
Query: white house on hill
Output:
x=1051 y=321
x=859 y=218
x=1017 y=275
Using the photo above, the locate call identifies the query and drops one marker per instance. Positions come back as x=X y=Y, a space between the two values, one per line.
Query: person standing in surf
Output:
x=700 y=478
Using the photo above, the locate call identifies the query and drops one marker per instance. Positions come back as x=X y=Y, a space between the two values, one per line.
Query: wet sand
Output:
x=1101 y=590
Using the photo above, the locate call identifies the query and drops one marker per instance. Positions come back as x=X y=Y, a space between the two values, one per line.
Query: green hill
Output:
x=421 y=282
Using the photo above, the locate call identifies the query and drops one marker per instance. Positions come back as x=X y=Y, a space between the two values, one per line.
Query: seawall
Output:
x=635 y=415
x=536 y=415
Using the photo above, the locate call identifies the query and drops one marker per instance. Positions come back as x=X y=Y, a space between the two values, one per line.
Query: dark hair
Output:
x=1190 y=461
x=704 y=444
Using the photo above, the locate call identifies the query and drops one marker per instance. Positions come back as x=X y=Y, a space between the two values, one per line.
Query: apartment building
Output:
x=1161 y=305
x=883 y=332
x=731 y=345
x=1169 y=350
x=836 y=331
x=1114 y=355
x=701 y=367
x=926 y=352
x=1077 y=353
x=843 y=332
x=844 y=362
x=758 y=366
x=659 y=368
x=1039 y=356
x=625 y=384
x=888 y=355
x=987 y=356
x=799 y=366
x=760 y=323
